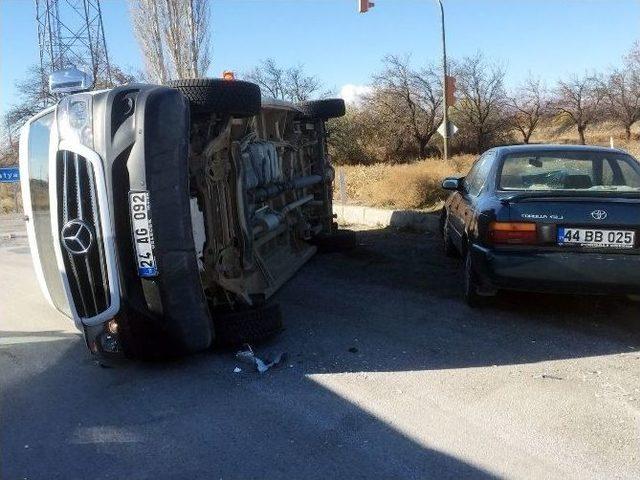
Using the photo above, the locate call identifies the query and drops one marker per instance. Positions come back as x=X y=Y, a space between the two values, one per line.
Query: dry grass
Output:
x=417 y=185
x=7 y=198
x=409 y=186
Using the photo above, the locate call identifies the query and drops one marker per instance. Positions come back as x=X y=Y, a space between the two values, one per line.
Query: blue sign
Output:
x=9 y=174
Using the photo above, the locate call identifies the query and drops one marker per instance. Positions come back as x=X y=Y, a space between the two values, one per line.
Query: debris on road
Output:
x=353 y=350
x=237 y=370
x=550 y=377
x=248 y=356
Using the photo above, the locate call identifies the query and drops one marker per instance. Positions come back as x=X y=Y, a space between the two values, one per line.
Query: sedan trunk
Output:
x=579 y=217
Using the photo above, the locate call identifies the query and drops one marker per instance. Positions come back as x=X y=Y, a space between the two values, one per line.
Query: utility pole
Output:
x=445 y=73
x=71 y=33
x=364 y=6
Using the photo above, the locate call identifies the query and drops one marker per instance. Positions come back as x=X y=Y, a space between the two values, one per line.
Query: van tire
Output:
x=225 y=97
x=252 y=326
x=323 y=109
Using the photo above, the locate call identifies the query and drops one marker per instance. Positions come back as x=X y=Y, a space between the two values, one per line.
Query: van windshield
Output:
x=577 y=170
x=38 y=155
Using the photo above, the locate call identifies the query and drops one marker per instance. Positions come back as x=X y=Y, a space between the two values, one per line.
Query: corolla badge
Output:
x=599 y=214
x=76 y=237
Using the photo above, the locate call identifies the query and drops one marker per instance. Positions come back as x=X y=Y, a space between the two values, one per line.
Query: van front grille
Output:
x=81 y=235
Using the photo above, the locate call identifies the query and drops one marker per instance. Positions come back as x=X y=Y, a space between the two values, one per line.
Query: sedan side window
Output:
x=484 y=170
x=470 y=180
x=478 y=175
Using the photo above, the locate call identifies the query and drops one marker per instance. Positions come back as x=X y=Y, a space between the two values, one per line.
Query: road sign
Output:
x=451 y=132
x=9 y=174
x=451 y=90
x=364 y=6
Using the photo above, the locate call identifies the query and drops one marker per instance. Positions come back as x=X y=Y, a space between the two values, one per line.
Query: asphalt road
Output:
x=389 y=376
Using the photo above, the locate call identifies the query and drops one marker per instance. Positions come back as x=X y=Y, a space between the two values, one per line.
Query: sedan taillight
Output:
x=513 y=233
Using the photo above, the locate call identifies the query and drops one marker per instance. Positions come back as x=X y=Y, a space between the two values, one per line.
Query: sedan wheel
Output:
x=449 y=248
x=471 y=284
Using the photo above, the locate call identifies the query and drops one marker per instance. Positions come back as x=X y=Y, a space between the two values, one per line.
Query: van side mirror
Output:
x=69 y=80
x=452 y=183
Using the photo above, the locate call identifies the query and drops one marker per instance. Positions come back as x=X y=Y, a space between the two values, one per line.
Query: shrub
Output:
x=407 y=186
x=7 y=205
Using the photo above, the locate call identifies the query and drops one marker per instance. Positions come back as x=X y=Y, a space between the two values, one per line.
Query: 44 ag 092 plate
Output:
x=142 y=233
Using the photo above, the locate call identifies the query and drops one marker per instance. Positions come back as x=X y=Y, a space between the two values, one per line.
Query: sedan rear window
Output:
x=593 y=171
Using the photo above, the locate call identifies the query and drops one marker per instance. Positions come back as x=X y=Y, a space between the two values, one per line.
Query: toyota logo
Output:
x=599 y=214
x=76 y=237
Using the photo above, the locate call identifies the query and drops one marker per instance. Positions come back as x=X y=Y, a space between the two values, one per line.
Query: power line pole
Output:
x=445 y=86
x=71 y=33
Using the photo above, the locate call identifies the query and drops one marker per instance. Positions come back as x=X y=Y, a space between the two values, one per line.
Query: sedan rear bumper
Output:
x=561 y=272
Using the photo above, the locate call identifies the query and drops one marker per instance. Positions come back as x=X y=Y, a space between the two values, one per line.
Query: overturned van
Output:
x=161 y=219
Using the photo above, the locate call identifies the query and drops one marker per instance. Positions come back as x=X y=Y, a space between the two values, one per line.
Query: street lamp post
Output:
x=364 y=6
x=445 y=116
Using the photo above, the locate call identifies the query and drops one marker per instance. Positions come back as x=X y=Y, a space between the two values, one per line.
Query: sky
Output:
x=549 y=38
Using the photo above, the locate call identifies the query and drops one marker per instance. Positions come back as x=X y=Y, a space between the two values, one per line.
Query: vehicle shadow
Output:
x=191 y=418
x=391 y=305
x=397 y=292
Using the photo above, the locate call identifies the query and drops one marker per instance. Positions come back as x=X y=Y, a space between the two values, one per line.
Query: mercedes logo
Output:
x=76 y=237
x=599 y=214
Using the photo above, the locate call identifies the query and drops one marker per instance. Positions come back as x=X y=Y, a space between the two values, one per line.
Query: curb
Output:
x=380 y=217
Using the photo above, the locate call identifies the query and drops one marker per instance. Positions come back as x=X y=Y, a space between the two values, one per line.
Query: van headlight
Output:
x=75 y=119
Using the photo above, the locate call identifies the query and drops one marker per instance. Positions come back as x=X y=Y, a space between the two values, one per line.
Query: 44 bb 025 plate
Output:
x=596 y=238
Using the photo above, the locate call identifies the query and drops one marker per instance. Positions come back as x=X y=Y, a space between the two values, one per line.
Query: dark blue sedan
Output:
x=546 y=218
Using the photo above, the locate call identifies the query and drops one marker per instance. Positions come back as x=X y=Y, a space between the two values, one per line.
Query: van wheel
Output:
x=252 y=326
x=224 y=97
x=323 y=109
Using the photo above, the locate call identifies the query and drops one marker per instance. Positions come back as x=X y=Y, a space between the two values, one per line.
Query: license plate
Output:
x=142 y=233
x=587 y=237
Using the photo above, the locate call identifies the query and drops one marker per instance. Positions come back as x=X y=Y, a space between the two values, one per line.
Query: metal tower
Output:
x=70 y=32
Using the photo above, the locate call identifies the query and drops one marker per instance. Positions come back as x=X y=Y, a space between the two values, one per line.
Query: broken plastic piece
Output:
x=248 y=356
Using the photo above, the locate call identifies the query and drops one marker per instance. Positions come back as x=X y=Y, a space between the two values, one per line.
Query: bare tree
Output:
x=173 y=36
x=299 y=86
x=270 y=77
x=291 y=84
x=33 y=94
x=622 y=91
x=407 y=102
x=145 y=16
x=622 y=98
x=632 y=58
x=527 y=107
x=479 y=111
x=8 y=147
x=198 y=14
x=579 y=103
